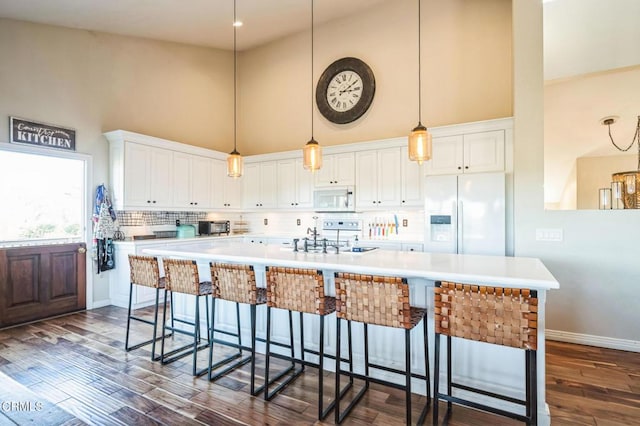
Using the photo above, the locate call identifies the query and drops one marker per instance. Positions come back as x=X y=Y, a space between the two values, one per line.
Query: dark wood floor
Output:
x=73 y=370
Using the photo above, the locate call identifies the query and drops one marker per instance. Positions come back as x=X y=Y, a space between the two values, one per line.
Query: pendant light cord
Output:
x=311 y=70
x=636 y=137
x=419 y=69
x=235 y=102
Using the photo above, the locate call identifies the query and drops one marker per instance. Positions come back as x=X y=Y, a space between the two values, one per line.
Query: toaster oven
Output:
x=214 y=227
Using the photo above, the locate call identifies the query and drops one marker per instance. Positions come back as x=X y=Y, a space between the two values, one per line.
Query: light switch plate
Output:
x=266 y=222
x=405 y=223
x=549 y=234
x=298 y=222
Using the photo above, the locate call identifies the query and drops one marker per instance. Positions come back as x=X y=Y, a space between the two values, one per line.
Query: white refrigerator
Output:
x=465 y=214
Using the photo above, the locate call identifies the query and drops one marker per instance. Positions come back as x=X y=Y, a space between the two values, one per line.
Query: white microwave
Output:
x=339 y=199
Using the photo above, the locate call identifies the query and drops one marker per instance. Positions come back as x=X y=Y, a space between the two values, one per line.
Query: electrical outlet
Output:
x=405 y=223
x=549 y=234
x=298 y=222
x=266 y=222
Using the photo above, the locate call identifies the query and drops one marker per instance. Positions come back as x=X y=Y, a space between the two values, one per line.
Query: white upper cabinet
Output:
x=142 y=176
x=469 y=153
x=226 y=192
x=412 y=180
x=260 y=185
x=295 y=185
x=378 y=179
x=191 y=181
x=336 y=170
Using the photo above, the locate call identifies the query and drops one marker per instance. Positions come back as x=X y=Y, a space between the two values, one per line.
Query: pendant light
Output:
x=234 y=160
x=312 y=151
x=420 y=138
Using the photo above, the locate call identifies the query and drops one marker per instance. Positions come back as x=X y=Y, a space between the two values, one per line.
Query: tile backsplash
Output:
x=146 y=218
x=285 y=223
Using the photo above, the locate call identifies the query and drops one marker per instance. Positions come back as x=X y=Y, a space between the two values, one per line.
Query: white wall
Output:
x=597 y=263
x=95 y=82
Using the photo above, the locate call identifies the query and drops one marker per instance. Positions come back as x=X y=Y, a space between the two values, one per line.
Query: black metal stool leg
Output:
x=155 y=325
x=436 y=377
x=337 y=390
x=196 y=336
x=164 y=324
x=126 y=339
x=407 y=360
x=211 y=337
x=449 y=373
x=267 y=355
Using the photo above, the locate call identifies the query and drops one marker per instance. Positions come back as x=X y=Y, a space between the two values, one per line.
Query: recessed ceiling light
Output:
x=237 y=24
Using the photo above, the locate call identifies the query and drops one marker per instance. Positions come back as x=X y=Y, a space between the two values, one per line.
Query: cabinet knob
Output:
x=466 y=167
x=148 y=201
x=195 y=203
x=154 y=201
x=403 y=201
x=459 y=168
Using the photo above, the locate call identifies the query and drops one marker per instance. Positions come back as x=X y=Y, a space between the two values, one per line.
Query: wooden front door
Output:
x=41 y=281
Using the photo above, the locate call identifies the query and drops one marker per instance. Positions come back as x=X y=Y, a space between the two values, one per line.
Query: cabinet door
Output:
x=344 y=169
x=412 y=180
x=447 y=156
x=219 y=182
x=269 y=184
x=226 y=192
x=233 y=191
x=182 y=180
x=287 y=174
x=304 y=186
x=324 y=176
x=389 y=177
x=161 y=177
x=137 y=172
x=484 y=152
x=200 y=182
x=252 y=185
x=366 y=179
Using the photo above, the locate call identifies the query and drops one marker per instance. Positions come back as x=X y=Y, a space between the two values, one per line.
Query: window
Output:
x=42 y=198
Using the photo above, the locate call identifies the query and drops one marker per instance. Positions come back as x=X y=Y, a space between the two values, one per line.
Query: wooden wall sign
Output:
x=41 y=134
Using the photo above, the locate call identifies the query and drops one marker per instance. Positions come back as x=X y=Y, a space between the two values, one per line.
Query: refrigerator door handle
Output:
x=459 y=240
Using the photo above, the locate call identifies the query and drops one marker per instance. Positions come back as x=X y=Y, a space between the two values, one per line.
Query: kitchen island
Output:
x=495 y=368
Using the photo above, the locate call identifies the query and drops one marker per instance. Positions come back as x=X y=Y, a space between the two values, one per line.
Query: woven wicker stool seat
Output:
x=144 y=271
x=300 y=290
x=182 y=277
x=382 y=301
x=235 y=283
x=501 y=316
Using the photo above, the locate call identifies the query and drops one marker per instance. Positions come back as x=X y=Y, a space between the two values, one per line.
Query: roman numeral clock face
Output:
x=345 y=90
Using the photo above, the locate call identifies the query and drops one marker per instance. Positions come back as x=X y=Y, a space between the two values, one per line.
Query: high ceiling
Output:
x=196 y=22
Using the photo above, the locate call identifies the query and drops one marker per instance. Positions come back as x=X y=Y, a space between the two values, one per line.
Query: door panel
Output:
x=41 y=281
x=22 y=282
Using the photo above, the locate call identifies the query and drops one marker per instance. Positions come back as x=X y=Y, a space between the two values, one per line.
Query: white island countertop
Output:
x=515 y=272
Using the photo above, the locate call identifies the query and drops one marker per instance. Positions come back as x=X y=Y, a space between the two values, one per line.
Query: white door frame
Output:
x=87 y=201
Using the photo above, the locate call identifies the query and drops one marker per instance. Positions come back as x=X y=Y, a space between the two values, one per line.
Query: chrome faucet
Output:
x=314 y=233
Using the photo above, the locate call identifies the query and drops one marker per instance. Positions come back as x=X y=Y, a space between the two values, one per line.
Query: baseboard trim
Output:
x=100 y=304
x=591 y=340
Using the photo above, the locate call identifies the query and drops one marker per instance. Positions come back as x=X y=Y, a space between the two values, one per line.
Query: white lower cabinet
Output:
x=119 y=280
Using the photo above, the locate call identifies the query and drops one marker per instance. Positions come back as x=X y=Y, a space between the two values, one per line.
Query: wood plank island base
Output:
x=492 y=368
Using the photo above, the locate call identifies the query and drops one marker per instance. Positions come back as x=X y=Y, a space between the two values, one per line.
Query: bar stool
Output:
x=383 y=301
x=182 y=277
x=300 y=290
x=235 y=283
x=501 y=316
x=144 y=271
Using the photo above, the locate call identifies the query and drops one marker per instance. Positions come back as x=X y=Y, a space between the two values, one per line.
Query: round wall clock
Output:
x=345 y=90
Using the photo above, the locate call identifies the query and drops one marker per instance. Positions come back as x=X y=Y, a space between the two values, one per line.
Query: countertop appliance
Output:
x=214 y=227
x=185 y=231
x=339 y=199
x=465 y=214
